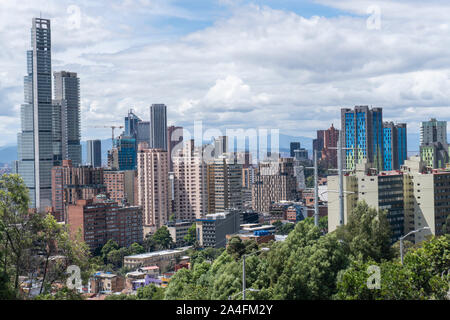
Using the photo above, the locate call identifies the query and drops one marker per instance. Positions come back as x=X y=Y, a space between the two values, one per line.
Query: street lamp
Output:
x=410 y=233
x=243 y=269
x=249 y=289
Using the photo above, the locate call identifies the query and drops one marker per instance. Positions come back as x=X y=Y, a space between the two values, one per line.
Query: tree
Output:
x=109 y=246
x=235 y=247
x=305 y=265
x=63 y=294
x=150 y=292
x=162 y=238
x=136 y=248
x=191 y=236
x=421 y=277
x=115 y=257
x=17 y=229
x=367 y=234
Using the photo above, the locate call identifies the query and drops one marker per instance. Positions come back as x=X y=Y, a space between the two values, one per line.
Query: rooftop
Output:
x=157 y=253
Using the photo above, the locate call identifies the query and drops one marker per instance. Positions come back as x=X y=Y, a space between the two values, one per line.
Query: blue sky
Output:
x=283 y=64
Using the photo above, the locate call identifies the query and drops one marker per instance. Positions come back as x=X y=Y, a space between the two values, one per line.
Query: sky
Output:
x=285 y=64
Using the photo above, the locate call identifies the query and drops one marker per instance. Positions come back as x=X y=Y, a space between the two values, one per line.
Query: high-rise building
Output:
x=329 y=152
x=319 y=142
x=136 y=129
x=414 y=197
x=275 y=182
x=428 y=192
x=158 y=126
x=94 y=153
x=190 y=187
x=121 y=186
x=126 y=153
x=294 y=146
x=434 y=149
x=67 y=97
x=433 y=131
x=434 y=155
x=224 y=183
x=362 y=130
x=381 y=191
x=70 y=184
x=394 y=145
x=35 y=143
x=101 y=219
x=131 y=123
x=174 y=143
x=153 y=187
x=220 y=146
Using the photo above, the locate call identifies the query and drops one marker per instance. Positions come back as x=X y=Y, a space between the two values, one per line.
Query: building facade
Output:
x=329 y=152
x=213 y=229
x=121 y=186
x=190 y=183
x=394 y=145
x=67 y=97
x=94 y=153
x=153 y=187
x=275 y=182
x=70 y=184
x=362 y=130
x=224 y=184
x=35 y=143
x=101 y=219
x=158 y=127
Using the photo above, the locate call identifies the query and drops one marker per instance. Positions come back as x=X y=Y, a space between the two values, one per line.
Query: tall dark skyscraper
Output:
x=294 y=146
x=67 y=96
x=66 y=118
x=363 y=134
x=158 y=126
x=94 y=153
x=35 y=141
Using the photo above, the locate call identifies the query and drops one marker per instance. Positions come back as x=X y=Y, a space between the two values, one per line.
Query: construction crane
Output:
x=112 y=129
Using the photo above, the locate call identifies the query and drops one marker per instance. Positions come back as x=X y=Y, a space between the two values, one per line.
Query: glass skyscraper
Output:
x=394 y=145
x=67 y=119
x=363 y=136
x=158 y=126
x=35 y=143
x=94 y=153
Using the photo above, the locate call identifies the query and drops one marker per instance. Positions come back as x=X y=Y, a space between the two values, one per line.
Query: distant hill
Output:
x=9 y=153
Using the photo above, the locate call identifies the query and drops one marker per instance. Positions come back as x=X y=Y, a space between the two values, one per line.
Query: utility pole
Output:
x=316 y=191
x=243 y=277
x=341 y=179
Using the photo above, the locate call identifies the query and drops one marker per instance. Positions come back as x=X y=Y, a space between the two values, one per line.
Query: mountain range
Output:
x=8 y=153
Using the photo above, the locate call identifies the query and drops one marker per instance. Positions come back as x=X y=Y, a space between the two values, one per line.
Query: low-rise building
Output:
x=212 y=230
x=106 y=282
x=178 y=230
x=163 y=259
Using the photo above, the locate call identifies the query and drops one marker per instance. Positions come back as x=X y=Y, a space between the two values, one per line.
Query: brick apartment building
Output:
x=70 y=184
x=101 y=219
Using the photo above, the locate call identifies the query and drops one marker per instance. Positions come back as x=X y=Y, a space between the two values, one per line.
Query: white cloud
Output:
x=257 y=68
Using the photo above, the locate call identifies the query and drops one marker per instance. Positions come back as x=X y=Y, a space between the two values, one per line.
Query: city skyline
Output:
x=412 y=88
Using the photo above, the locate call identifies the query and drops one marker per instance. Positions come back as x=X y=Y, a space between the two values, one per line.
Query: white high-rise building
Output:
x=153 y=187
x=190 y=184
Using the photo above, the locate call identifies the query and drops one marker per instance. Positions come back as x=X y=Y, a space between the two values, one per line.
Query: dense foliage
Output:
x=310 y=265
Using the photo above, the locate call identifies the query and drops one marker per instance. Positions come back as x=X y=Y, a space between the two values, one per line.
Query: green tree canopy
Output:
x=367 y=234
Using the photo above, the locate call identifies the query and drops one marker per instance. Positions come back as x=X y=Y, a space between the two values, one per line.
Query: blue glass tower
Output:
x=126 y=149
x=363 y=136
x=394 y=145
